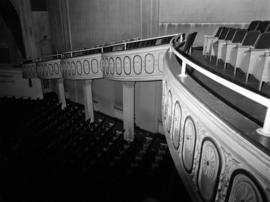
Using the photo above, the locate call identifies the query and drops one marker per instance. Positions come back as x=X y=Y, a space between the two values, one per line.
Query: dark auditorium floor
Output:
x=51 y=155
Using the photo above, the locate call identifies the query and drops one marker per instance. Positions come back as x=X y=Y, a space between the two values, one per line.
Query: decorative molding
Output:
x=142 y=64
x=49 y=69
x=230 y=164
x=84 y=67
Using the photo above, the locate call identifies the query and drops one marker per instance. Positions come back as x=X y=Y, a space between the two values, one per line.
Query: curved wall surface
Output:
x=214 y=160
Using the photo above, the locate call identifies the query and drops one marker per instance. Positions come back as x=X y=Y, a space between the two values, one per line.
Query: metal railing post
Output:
x=265 y=130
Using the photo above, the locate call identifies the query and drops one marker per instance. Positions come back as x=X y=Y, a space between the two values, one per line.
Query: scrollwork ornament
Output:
x=230 y=164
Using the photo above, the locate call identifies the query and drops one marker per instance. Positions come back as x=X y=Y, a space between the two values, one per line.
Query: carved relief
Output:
x=86 y=67
x=127 y=65
x=149 y=63
x=230 y=164
x=189 y=142
x=94 y=65
x=137 y=65
x=176 y=131
x=244 y=189
x=209 y=170
x=118 y=66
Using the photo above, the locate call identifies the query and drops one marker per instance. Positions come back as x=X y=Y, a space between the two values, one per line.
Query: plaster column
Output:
x=88 y=101
x=61 y=92
x=128 y=110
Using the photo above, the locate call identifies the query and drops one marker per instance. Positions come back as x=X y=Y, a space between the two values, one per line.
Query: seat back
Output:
x=230 y=33
x=262 y=26
x=188 y=43
x=267 y=29
x=253 y=25
x=218 y=31
x=263 y=42
x=239 y=36
x=223 y=33
x=250 y=38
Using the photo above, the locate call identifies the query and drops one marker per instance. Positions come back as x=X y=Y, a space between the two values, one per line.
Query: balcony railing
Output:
x=265 y=130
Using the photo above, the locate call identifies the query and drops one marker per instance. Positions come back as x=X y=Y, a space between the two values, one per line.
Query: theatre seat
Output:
x=186 y=47
x=253 y=25
x=262 y=69
x=208 y=40
x=262 y=26
x=248 y=59
x=222 y=36
x=236 y=40
x=235 y=52
x=220 y=46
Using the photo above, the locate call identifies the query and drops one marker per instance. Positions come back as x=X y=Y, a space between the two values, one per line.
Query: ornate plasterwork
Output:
x=135 y=65
x=29 y=70
x=84 y=67
x=230 y=164
x=49 y=69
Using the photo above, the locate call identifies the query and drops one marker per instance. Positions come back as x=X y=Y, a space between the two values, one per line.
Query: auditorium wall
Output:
x=205 y=16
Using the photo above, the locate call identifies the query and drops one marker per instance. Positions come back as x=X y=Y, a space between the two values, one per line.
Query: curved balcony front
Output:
x=82 y=67
x=141 y=64
x=50 y=69
x=29 y=70
x=217 y=150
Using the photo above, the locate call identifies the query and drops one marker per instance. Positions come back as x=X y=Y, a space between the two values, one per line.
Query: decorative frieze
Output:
x=84 y=67
x=142 y=64
x=29 y=70
x=50 y=69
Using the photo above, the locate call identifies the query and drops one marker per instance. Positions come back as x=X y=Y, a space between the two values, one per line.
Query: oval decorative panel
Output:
x=209 y=170
x=244 y=189
x=189 y=142
x=137 y=64
x=111 y=66
x=118 y=66
x=127 y=65
x=94 y=65
x=86 y=67
x=176 y=129
x=149 y=63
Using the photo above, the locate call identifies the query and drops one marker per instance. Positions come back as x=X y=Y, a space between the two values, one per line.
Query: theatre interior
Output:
x=135 y=100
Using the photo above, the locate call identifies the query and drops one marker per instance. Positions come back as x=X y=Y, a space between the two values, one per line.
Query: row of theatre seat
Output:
x=247 y=50
x=49 y=154
x=122 y=45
